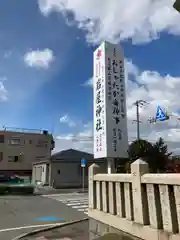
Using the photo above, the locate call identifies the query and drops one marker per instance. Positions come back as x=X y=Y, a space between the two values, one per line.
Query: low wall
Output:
x=141 y=204
x=98 y=229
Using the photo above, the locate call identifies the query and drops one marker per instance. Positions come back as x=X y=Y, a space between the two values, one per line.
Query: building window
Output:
x=13 y=158
x=1 y=156
x=1 y=138
x=10 y=159
x=30 y=141
x=40 y=158
x=16 y=158
x=14 y=141
x=59 y=172
x=41 y=143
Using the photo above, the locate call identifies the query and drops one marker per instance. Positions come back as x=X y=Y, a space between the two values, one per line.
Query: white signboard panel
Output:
x=110 y=115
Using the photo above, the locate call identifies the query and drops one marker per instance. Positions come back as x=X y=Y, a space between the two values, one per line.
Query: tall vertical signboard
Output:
x=110 y=115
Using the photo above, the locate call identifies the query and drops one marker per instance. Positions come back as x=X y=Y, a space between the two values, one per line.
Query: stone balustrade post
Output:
x=93 y=169
x=138 y=168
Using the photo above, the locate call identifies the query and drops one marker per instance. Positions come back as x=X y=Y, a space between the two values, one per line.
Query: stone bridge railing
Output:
x=142 y=204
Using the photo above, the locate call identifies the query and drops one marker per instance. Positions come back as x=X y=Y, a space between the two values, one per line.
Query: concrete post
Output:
x=111 y=166
x=93 y=169
x=33 y=180
x=138 y=168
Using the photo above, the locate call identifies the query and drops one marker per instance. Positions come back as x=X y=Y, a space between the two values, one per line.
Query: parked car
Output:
x=10 y=179
x=16 y=179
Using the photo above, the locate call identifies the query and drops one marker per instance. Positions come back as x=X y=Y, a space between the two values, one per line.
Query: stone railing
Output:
x=144 y=205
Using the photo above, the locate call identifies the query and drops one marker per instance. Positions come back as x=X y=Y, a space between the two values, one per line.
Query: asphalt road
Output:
x=27 y=211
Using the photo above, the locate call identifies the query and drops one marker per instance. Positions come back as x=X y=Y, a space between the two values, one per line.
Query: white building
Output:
x=64 y=170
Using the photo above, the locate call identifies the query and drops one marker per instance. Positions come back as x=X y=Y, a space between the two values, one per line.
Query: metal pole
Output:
x=137 y=119
x=138 y=104
x=109 y=165
x=83 y=178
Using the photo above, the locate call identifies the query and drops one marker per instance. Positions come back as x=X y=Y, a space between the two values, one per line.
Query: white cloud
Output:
x=2 y=79
x=39 y=59
x=153 y=88
x=66 y=119
x=81 y=141
x=88 y=83
x=114 y=20
x=3 y=92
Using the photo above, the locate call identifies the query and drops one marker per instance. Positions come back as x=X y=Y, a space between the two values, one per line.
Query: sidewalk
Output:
x=75 y=231
x=42 y=190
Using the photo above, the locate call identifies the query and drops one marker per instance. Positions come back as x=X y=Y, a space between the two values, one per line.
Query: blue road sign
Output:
x=83 y=162
x=160 y=115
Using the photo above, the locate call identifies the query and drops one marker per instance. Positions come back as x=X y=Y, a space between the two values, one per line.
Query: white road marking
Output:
x=73 y=204
x=58 y=194
x=82 y=209
x=77 y=202
x=81 y=206
x=73 y=199
x=63 y=194
x=30 y=226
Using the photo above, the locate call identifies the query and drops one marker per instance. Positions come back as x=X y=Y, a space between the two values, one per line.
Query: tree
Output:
x=156 y=155
x=140 y=149
x=161 y=154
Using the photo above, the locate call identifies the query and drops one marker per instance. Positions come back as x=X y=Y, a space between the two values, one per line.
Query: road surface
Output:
x=21 y=214
x=77 y=201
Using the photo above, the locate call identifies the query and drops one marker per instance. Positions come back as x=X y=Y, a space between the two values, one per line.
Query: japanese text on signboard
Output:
x=116 y=94
x=99 y=103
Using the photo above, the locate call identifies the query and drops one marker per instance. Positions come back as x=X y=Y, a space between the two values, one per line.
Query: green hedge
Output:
x=3 y=190
x=15 y=189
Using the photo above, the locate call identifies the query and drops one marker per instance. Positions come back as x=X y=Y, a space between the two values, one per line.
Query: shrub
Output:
x=16 y=190
x=22 y=190
x=3 y=189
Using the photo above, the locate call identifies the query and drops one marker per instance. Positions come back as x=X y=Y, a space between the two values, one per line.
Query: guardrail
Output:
x=142 y=204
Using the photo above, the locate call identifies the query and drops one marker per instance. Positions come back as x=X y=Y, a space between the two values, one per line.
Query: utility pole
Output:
x=137 y=118
x=139 y=103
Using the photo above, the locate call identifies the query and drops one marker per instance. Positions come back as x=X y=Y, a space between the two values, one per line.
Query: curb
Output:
x=48 y=228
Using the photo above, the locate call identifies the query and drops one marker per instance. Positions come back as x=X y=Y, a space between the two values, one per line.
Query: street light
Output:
x=176 y=5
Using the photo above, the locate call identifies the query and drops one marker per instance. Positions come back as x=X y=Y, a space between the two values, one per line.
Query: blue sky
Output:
x=46 y=59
